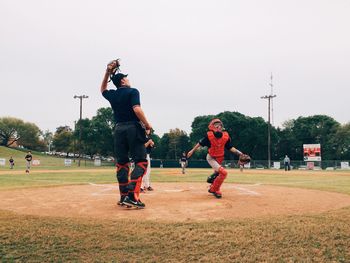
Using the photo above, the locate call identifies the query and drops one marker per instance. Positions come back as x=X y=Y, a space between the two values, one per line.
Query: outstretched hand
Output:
x=189 y=154
x=113 y=66
x=244 y=159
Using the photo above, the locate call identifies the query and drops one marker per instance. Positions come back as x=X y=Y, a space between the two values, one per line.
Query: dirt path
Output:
x=171 y=202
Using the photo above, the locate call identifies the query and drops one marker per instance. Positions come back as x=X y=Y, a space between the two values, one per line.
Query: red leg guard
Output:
x=136 y=179
x=215 y=187
x=123 y=178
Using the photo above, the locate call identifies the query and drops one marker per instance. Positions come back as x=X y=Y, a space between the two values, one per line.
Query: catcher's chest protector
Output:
x=217 y=145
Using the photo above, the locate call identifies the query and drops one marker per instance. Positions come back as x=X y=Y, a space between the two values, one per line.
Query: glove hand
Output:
x=244 y=159
x=113 y=66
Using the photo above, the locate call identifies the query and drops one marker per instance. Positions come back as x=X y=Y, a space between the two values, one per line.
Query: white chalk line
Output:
x=102 y=191
x=245 y=191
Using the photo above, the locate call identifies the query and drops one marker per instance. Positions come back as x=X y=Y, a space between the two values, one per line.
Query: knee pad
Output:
x=215 y=187
x=223 y=172
x=139 y=170
x=212 y=177
x=123 y=172
x=123 y=178
x=136 y=179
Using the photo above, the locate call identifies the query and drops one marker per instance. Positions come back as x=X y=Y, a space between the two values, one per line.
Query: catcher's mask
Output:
x=216 y=125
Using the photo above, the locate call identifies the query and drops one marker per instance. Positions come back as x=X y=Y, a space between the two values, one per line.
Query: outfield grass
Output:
x=335 y=181
x=46 y=161
x=322 y=237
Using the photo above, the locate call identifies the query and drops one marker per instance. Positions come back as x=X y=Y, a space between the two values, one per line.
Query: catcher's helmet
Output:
x=213 y=123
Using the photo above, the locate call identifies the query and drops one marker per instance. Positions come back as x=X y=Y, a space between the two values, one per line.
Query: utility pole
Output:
x=269 y=98
x=81 y=97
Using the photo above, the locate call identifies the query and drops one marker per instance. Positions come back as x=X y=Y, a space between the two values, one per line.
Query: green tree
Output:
x=156 y=152
x=287 y=143
x=88 y=142
x=13 y=130
x=63 y=139
x=341 y=143
x=47 y=138
x=315 y=129
x=173 y=143
x=101 y=132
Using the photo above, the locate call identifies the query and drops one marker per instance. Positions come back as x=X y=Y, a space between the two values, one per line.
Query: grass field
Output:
x=321 y=237
x=46 y=161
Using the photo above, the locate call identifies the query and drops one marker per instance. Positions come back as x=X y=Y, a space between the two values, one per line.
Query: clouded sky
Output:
x=186 y=57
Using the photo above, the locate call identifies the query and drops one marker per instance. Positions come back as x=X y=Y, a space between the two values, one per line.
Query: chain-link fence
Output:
x=255 y=164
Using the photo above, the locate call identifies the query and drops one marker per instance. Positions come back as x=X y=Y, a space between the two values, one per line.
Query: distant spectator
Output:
x=12 y=162
x=28 y=158
x=183 y=162
x=286 y=163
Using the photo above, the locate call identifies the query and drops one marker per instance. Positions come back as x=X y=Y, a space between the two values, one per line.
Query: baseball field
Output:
x=65 y=215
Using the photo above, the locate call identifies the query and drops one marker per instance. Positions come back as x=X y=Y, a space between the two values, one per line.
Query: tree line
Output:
x=249 y=134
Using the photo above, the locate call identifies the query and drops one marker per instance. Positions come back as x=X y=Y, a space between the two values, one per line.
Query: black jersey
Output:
x=122 y=101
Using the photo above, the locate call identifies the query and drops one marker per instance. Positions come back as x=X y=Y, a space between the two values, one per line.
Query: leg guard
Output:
x=212 y=177
x=136 y=180
x=215 y=187
x=123 y=178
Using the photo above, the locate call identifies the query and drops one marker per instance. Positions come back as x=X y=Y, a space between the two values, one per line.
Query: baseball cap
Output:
x=116 y=79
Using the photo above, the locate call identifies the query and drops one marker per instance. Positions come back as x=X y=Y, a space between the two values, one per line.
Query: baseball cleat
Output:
x=217 y=194
x=120 y=202
x=133 y=203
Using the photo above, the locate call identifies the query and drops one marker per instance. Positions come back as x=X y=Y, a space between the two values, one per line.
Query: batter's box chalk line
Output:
x=105 y=188
x=245 y=191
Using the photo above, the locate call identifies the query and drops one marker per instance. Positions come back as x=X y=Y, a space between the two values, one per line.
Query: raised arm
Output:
x=189 y=154
x=110 y=67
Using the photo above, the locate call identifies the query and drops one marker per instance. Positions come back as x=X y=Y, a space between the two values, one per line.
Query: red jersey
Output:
x=217 y=145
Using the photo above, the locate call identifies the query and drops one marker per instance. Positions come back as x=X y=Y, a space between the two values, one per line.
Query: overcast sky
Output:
x=186 y=57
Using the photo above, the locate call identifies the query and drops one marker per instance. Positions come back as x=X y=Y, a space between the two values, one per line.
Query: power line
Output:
x=270 y=99
x=81 y=97
x=271 y=85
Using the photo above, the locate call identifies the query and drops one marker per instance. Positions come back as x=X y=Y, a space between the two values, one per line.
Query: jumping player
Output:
x=130 y=134
x=216 y=140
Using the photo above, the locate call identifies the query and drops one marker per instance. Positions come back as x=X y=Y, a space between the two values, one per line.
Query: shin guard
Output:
x=136 y=180
x=123 y=178
x=215 y=187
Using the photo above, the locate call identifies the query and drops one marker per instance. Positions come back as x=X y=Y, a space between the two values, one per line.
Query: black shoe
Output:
x=149 y=188
x=216 y=194
x=212 y=177
x=140 y=204
x=120 y=202
x=131 y=202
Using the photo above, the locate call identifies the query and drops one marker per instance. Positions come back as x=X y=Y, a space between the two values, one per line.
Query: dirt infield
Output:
x=171 y=202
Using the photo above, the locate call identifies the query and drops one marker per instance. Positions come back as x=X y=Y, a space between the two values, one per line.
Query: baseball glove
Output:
x=244 y=159
x=113 y=66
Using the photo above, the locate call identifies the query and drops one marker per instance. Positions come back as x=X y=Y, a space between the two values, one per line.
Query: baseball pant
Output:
x=146 y=180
